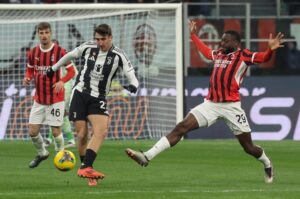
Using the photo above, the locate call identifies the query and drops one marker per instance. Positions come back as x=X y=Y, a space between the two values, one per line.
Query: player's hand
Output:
x=131 y=88
x=192 y=26
x=26 y=81
x=276 y=42
x=58 y=86
x=50 y=72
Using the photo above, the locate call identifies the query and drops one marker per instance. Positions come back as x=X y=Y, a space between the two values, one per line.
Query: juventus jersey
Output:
x=99 y=68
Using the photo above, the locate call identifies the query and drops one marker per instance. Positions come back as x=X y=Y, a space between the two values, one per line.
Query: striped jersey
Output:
x=227 y=75
x=228 y=70
x=39 y=60
x=99 y=69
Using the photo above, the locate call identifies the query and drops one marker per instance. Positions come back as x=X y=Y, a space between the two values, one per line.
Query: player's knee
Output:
x=100 y=134
x=250 y=149
x=33 y=130
x=82 y=137
x=182 y=128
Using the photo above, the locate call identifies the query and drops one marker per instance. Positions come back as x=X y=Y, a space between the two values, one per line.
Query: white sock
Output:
x=38 y=143
x=59 y=143
x=159 y=146
x=265 y=160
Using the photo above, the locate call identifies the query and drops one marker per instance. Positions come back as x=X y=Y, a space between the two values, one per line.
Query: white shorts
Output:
x=52 y=115
x=231 y=112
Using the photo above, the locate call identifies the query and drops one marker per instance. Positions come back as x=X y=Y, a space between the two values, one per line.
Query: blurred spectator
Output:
x=198 y=10
x=20 y=1
x=288 y=58
x=20 y=62
x=293 y=6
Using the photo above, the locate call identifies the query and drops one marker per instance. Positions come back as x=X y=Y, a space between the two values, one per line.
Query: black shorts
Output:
x=82 y=105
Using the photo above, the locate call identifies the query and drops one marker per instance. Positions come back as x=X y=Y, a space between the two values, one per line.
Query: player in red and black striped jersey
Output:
x=223 y=100
x=230 y=66
x=48 y=106
x=48 y=90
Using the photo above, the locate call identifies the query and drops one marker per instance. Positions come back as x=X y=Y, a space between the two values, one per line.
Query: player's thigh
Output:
x=99 y=124
x=236 y=119
x=55 y=114
x=205 y=114
x=37 y=113
x=78 y=106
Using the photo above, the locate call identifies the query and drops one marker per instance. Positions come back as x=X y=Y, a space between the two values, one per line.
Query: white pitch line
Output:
x=150 y=191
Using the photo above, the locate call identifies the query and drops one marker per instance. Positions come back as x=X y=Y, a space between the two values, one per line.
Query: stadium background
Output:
x=253 y=19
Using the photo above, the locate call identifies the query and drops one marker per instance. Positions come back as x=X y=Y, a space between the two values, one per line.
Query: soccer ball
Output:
x=64 y=160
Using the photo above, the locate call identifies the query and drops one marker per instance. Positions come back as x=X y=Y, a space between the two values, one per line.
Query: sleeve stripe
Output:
x=253 y=56
x=29 y=66
x=70 y=65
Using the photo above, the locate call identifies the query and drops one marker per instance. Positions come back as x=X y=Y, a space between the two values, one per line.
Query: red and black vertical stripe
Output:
x=223 y=81
x=51 y=80
x=232 y=72
x=38 y=81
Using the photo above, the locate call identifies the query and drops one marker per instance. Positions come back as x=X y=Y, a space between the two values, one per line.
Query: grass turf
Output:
x=192 y=169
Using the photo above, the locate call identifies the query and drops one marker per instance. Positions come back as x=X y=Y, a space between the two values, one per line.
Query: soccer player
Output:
x=88 y=102
x=223 y=99
x=66 y=127
x=48 y=106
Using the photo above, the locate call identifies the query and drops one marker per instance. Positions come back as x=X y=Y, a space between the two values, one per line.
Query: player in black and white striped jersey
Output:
x=88 y=103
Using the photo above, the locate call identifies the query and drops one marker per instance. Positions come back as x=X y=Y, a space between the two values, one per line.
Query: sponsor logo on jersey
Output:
x=92 y=58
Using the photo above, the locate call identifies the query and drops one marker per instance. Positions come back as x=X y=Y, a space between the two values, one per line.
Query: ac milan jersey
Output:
x=40 y=59
x=228 y=72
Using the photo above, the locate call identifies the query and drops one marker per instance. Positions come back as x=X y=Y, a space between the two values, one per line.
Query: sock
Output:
x=89 y=158
x=159 y=147
x=59 y=142
x=39 y=145
x=67 y=128
x=81 y=158
x=265 y=160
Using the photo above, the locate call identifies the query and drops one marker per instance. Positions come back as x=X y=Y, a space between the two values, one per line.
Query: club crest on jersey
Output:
x=109 y=59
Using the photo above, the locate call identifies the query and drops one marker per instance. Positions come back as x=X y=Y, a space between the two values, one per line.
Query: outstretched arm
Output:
x=64 y=60
x=204 y=49
x=274 y=43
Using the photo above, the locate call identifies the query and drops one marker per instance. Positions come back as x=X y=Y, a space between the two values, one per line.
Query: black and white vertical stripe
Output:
x=99 y=69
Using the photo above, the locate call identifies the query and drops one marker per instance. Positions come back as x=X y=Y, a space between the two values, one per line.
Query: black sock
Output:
x=82 y=158
x=89 y=158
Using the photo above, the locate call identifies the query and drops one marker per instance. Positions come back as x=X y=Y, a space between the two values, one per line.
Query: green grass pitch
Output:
x=193 y=169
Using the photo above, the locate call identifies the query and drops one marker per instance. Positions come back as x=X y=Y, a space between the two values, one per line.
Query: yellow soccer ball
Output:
x=64 y=160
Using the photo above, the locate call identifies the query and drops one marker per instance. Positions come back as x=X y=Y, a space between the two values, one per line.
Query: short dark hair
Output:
x=43 y=26
x=235 y=34
x=103 y=30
